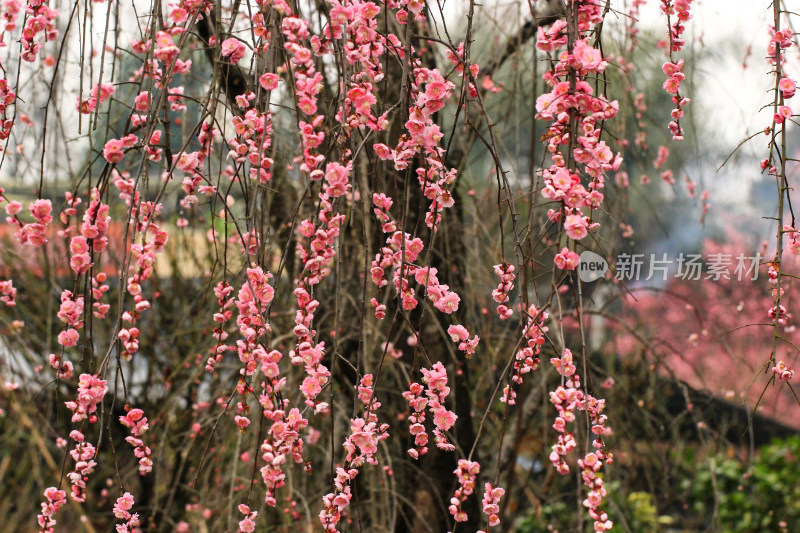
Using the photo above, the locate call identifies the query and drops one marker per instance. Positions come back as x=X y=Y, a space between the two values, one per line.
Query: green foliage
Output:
x=639 y=510
x=763 y=497
x=644 y=515
x=721 y=492
x=549 y=517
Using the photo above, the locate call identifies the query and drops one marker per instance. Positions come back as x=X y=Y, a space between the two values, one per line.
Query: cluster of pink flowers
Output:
x=569 y=398
x=191 y=163
x=94 y=230
x=252 y=142
x=793 y=236
x=662 y=157
x=337 y=179
x=143 y=258
x=336 y=502
x=7 y=97
x=566 y=259
x=83 y=455
x=41 y=19
x=787 y=87
x=440 y=294
x=781 y=40
x=55 y=500
x=361 y=446
x=527 y=358
x=91 y=391
x=782 y=371
x=143 y=255
x=458 y=60
x=175 y=99
x=129 y=337
x=357 y=108
x=307 y=84
x=166 y=54
x=631 y=23
x=467 y=475
x=400 y=249
x=681 y=9
x=320 y=251
x=365 y=433
x=491 y=499
x=400 y=252
x=122 y=510
x=80 y=259
x=68 y=337
x=356 y=23
x=8 y=293
x=11 y=10
x=126 y=187
x=500 y=294
x=71 y=314
x=233 y=49
x=552 y=38
x=433 y=398
x=252 y=301
x=778 y=312
x=423 y=136
x=572 y=97
x=225 y=301
x=416 y=7
x=113 y=149
x=99 y=288
x=95 y=222
x=248 y=523
x=63 y=368
x=460 y=334
x=308 y=352
x=640 y=139
x=566 y=398
x=382 y=205
x=592 y=462
x=282 y=441
x=137 y=423
x=100 y=93
x=34 y=233
x=673 y=85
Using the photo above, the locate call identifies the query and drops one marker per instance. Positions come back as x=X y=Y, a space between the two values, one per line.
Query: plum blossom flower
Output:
x=234 y=49
x=782 y=371
x=566 y=259
x=576 y=226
